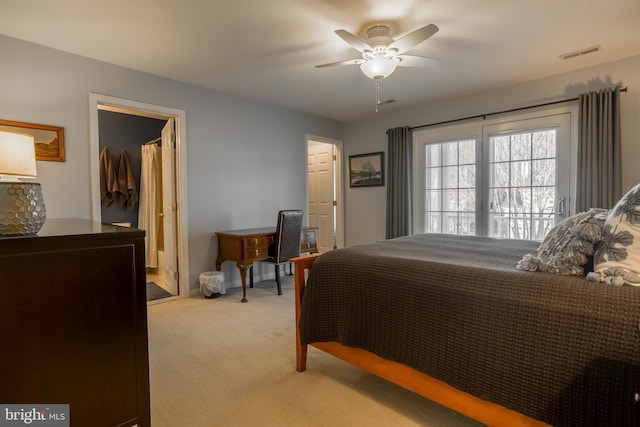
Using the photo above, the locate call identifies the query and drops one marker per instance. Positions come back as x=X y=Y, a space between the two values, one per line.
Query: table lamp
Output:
x=22 y=210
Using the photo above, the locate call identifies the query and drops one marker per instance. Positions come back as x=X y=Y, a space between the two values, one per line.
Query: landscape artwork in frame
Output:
x=49 y=140
x=366 y=170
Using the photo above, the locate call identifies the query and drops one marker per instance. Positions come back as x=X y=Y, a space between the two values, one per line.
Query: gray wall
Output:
x=366 y=207
x=246 y=160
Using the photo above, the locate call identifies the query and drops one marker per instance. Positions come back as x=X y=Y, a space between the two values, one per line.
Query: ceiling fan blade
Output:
x=416 y=61
x=347 y=62
x=356 y=42
x=414 y=38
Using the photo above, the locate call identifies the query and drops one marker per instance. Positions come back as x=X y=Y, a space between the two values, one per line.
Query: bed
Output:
x=452 y=319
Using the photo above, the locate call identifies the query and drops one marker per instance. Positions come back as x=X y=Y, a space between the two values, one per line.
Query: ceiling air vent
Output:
x=581 y=52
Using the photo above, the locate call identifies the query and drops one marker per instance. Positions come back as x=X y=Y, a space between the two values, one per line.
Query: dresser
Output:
x=73 y=322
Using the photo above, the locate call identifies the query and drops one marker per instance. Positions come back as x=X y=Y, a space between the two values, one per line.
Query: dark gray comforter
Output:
x=556 y=348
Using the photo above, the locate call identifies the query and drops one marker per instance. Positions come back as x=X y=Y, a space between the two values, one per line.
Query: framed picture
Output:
x=366 y=170
x=49 y=139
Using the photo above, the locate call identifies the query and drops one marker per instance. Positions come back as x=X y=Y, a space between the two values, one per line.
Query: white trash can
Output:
x=212 y=284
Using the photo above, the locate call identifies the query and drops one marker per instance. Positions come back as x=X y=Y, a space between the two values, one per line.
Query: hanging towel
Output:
x=108 y=179
x=127 y=193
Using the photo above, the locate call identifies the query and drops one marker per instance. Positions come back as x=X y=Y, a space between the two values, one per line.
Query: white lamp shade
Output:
x=17 y=155
x=378 y=68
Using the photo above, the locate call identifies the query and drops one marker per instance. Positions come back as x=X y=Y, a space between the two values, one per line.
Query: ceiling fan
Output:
x=381 y=54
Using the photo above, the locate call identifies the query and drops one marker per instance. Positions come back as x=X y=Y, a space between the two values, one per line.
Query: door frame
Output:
x=127 y=106
x=338 y=179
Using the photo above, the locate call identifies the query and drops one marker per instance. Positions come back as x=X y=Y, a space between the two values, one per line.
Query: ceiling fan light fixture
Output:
x=378 y=68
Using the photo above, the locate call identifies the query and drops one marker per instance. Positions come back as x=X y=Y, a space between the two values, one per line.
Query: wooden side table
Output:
x=252 y=244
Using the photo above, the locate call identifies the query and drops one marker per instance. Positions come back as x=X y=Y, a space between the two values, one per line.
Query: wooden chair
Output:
x=287 y=241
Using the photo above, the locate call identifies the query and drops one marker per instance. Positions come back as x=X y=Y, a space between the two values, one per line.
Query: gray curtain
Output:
x=599 y=158
x=399 y=210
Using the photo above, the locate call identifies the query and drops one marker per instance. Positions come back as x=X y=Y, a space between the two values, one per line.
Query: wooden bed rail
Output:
x=302 y=268
x=435 y=390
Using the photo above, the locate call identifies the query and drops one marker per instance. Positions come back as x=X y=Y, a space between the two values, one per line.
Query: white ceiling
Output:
x=267 y=49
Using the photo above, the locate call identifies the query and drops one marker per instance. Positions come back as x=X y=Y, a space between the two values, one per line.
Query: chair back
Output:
x=288 y=233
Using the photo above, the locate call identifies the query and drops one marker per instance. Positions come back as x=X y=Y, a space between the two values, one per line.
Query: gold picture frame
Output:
x=49 y=140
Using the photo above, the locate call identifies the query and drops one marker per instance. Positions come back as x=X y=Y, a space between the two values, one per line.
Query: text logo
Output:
x=34 y=415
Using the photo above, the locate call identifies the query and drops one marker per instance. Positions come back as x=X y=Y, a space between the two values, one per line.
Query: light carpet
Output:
x=220 y=362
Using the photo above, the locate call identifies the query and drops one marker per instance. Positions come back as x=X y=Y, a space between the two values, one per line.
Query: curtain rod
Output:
x=484 y=116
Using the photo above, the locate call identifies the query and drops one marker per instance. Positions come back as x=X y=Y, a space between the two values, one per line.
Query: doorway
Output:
x=171 y=148
x=324 y=191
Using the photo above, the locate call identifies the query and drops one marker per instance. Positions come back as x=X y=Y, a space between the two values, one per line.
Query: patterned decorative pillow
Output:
x=617 y=257
x=567 y=247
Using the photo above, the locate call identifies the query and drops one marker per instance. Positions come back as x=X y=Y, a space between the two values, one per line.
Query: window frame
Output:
x=564 y=117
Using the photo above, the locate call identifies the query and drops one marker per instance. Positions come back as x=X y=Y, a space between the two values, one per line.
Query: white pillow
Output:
x=617 y=257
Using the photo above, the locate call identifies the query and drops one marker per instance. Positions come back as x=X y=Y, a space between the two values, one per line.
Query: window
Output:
x=522 y=184
x=506 y=179
x=450 y=190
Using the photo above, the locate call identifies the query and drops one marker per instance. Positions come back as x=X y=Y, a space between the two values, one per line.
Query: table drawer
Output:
x=308 y=235
x=308 y=242
x=256 y=242
x=308 y=246
x=256 y=247
x=255 y=254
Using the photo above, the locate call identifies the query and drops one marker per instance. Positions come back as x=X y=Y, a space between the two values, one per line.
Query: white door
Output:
x=321 y=193
x=169 y=207
x=528 y=181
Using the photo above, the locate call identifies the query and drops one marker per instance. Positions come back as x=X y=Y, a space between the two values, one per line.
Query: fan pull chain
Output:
x=377 y=94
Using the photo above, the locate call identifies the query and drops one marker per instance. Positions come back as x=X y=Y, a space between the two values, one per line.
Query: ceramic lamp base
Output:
x=22 y=210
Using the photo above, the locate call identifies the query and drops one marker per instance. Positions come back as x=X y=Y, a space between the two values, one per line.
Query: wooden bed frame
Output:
x=406 y=377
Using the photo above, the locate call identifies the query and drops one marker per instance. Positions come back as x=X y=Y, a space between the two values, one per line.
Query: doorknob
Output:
x=562 y=207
